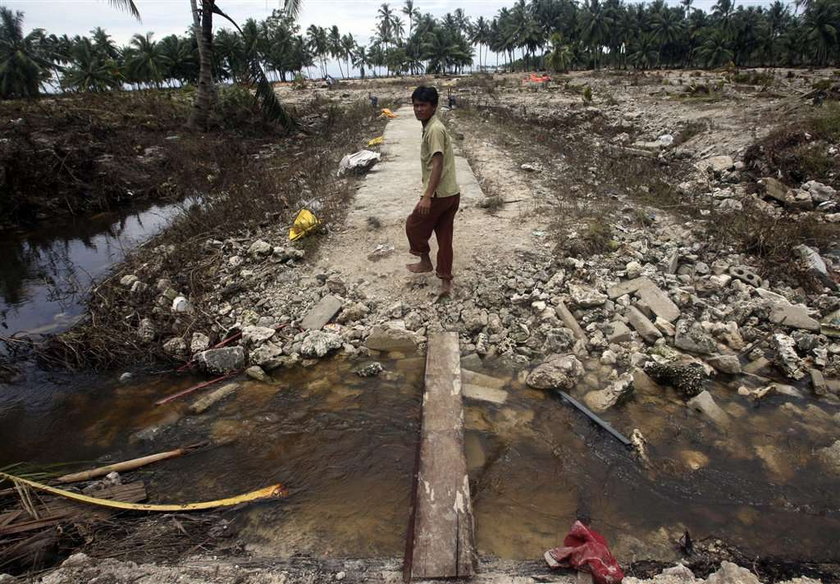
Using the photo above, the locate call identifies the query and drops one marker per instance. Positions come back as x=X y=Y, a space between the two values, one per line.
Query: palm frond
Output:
x=269 y=104
x=292 y=7
x=127 y=5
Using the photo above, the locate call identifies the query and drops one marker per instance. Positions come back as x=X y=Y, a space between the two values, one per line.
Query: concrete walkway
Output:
x=385 y=198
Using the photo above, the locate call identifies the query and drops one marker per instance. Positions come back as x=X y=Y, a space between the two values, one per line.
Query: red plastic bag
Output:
x=586 y=550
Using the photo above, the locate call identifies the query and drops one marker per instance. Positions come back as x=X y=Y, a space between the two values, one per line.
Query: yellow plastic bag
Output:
x=386 y=113
x=376 y=141
x=305 y=222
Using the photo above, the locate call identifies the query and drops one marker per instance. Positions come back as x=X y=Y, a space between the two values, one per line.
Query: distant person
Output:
x=451 y=101
x=374 y=101
x=330 y=80
x=435 y=212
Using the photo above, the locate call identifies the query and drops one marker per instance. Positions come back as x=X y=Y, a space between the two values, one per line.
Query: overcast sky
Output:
x=165 y=17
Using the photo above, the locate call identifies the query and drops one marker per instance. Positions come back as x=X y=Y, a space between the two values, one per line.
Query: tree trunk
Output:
x=205 y=92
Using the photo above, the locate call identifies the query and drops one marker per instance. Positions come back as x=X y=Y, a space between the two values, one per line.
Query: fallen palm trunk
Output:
x=125 y=465
x=273 y=491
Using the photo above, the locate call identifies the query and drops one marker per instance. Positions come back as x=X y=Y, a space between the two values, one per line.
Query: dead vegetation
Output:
x=249 y=191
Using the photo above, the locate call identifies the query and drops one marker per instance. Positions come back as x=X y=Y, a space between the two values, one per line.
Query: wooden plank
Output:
x=321 y=313
x=442 y=544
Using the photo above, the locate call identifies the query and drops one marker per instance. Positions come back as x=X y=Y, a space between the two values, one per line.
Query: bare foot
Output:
x=445 y=287
x=421 y=267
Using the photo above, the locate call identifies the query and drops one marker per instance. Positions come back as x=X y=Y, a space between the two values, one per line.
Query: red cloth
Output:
x=586 y=550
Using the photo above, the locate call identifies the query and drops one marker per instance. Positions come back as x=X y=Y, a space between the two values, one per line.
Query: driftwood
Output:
x=125 y=465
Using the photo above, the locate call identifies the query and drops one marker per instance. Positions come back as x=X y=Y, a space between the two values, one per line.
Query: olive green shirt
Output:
x=437 y=139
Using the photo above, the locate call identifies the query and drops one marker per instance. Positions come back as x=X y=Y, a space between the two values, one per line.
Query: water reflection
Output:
x=45 y=273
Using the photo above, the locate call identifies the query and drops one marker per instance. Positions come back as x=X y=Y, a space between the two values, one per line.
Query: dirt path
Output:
x=386 y=197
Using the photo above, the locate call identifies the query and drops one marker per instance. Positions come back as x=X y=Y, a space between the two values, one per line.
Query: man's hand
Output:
x=423 y=206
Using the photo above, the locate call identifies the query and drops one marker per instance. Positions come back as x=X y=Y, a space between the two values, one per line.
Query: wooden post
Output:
x=442 y=537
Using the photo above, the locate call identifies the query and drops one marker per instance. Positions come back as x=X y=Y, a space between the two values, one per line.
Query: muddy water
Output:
x=345 y=448
x=44 y=274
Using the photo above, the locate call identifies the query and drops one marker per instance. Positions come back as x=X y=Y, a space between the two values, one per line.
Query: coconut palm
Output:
x=348 y=49
x=716 y=49
x=821 y=28
x=91 y=71
x=360 y=60
x=559 y=59
x=23 y=61
x=146 y=62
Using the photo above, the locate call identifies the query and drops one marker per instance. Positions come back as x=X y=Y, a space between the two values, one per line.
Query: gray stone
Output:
x=818 y=382
x=820 y=192
x=327 y=308
x=730 y=573
x=199 y=342
x=776 y=190
x=558 y=372
x=705 y=403
x=181 y=304
x=615 y=393
x=585 y=296
x=128 y=280
x=317 y=344
x=786 y=358
x=642 y=324
x=260 y=248
x=745 y=274
x=267 y=356
x=176 y=347
x=830 y=457
x=486 y=394
x=618 y=332
x=391 y=338
x=815 y=265
x=716 y=164
x=474 y=319
x=725 y=364
x=256 y=335
x=627 y=287
x=692 y=338
x=370 y=370
x=146 y=330
x=830 y=325
x=793 y=316
x=686 y=378
x=222 y=360
x=256 y=372
x=658 y=302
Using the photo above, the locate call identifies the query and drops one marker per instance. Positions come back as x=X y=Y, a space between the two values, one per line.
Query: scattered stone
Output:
x=744 y=274
x=317 y=344
x=175 y=347
x=181 y=304
x=256 y=372
x=830 y=457
x=323 y=312
x=260 y=248
x=474 y=378
x=627 y=287
x=642 y=324
x=336 y=285
x=776 y=190
x=658 y=302
x=585 y=296
x=686 y=378
x=126 y=377
x=818 y=382
x=725 y=364
x=391 y=338
x=794 y=316
x=474 y=319
x=615 y=393
x=705 y=403
x=558 y=372
x=716 y=164
x=128 y=280
x=618 y=332
x=531 y=167
x=692 y=338
x=481 y=393
x=786 y=358
x=199 y=342
x=383 y=250
x=370 y=370
x=268 y=356
x=256 y=335
x=569 y=320
x=815 y=265
x=146 y=330
x=222 y=360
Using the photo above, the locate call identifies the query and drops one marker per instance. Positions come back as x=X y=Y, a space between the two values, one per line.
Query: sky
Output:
x=164 y=17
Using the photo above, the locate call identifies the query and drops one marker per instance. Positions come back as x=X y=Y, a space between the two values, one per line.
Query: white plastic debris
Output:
x=358 y=162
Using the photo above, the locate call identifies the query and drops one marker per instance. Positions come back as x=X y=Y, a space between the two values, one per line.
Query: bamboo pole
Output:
x=125 y=465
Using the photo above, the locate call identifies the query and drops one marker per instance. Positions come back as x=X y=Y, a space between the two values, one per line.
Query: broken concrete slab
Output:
x=794 y=316
x=321 y=313
x=776 y=190
x=627 y=287
x=658 y=301
x=618 y=332
x=692 y=338
x=603 y=399
x=391 y=338
x=481 y=393
x=830 y=325
x=569 y=320
x=725 y=363
x=704 y=403
x=642 y=325
x=222 y=360
x=818 y=382
x=474 y=378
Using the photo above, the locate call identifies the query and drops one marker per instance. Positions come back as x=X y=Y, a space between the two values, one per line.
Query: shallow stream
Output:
x=345 y=447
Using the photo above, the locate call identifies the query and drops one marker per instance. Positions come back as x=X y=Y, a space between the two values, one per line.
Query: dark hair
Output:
x=427 y=94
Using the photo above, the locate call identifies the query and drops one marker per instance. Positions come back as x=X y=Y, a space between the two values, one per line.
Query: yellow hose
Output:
x=277 y=490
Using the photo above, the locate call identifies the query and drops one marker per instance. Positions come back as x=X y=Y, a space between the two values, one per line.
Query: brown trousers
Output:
x=441 y=220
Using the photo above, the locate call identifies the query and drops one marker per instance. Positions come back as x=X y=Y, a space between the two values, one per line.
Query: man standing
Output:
x=435 y=212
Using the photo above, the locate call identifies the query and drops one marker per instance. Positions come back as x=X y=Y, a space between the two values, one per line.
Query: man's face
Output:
x=423 y=110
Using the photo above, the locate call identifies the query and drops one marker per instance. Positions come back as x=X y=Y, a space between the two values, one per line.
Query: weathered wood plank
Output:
x=443 y=521
x=321 y=313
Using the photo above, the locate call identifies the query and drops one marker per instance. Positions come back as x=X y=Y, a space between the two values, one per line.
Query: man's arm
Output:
x=434 y=180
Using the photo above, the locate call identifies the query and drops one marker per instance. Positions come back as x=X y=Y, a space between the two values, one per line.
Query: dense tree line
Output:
x=554 y=34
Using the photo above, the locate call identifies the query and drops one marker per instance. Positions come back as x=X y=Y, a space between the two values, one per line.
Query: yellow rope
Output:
x=277 y=490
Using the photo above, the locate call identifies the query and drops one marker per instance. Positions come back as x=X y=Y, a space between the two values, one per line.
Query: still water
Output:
x=45 y=273
x=345 y=448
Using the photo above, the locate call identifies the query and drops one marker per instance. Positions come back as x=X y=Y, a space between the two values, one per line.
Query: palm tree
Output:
x=23 y=64
x=480 y=35
x=320 y=44
x=335 y=50
x=348 y=48
x=821 y=27
x=716 y=50
x=91 y=71
x=384 y=19
x=360 y=60
x=146 y=62
x=411 y=13
x=560 y=57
